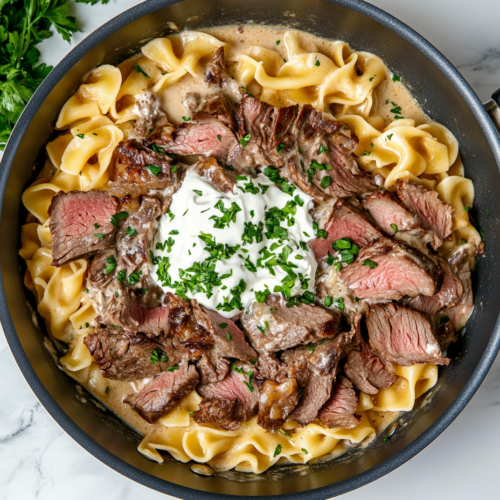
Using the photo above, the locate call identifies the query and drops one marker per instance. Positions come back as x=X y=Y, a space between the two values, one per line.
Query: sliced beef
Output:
x=340 y=408
x=346 y=222
x=185 y=327
x=274 y=327
x=131 y=175
x=80 y=224
x=210 y=132
x=366 y=371
x=216 y=68
x=271 y=368
x=134 y=238
x=238 y=386
x=229 y=340
x=277 y=402
x=218 y=411
x=163 y=394
x=219 y=177
x=151 y=117
x=216 y=74
x=116 y=304
x=432 y=213
x=321 y=362
x=448 y=295
x=459 y=313
x=121 y=355
x=402 y=335
x=254 y=120
x=212 y=367
x=388 y=212
x=387 y=270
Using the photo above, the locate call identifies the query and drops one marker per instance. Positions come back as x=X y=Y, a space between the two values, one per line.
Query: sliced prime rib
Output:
x=121 y=355
x=238 y=386
x=210 y=132
x=277 y=402
x=320 y=363
x=433 y=214
x=388 y=270
x=116 y=304
x=448 y=295
x=131 y=175
x=151 y=117
x=339 y=410
x=274 y=327
x=80 y=224
x=388 y=212
x=403 y=335
x=346 y=222
x=184 y=325
x=219 y=177
x=218 y=411
x=163 y=394
x=366 y=371
x=133 y=249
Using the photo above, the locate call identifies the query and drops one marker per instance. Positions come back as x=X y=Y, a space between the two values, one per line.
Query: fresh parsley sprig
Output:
x=23 y=25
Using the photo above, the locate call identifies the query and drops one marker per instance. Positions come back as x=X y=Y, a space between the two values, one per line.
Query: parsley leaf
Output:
x=158 y=355
x=155 y=170
x=117 y=217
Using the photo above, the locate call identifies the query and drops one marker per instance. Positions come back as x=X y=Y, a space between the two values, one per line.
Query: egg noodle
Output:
x=334 y=79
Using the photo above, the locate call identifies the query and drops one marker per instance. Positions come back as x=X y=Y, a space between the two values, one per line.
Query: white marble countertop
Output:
x=39 y=461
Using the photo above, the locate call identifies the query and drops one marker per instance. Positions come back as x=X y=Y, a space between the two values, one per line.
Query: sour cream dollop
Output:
x=227 y=251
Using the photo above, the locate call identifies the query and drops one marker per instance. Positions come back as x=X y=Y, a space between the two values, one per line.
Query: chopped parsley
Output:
x=274 y=176
x=277 y=451
x=370 y=263
x=252 y=231
x=86 y=290
x=134 y=278
x=249 y=186
x=130 y=231
x=158 y=355
x=121 y=275
x=174 y=169
x=389 y=137
x=111 y=264
x=367 y=153
x=320 y=233
x=117 y=217
x=198 y=192
x=173 y=368
x=223 y=325
x=305 y=451
x=466 y=209
x=229 y=337
x=228 y=214
x=488 y=212
x=339 y=303
x=168 y=244
x=278 y=42
x=396 y=78
x=154 y=169
x=326 y=181
x=260 y=297
x=316 y=62
x=81 y=136
x=246 y=92
x=289 y=436
x=158 y=149
x=219 y=138
x=397 y=110
x=100 y=236
x=394 y=228
x=245 y=140
x=311 y=347
x=186 y=118
x=281 y=146
x=322 y=149
x=328 y=301
x=96 y=226
x=141 y=71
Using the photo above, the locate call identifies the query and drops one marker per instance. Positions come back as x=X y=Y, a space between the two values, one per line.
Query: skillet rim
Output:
x=116 y=463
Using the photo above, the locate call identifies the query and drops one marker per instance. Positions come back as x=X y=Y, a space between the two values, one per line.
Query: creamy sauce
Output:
x=195 y=211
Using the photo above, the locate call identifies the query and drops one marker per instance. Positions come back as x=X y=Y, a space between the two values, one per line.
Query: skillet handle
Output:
x=493 y=109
